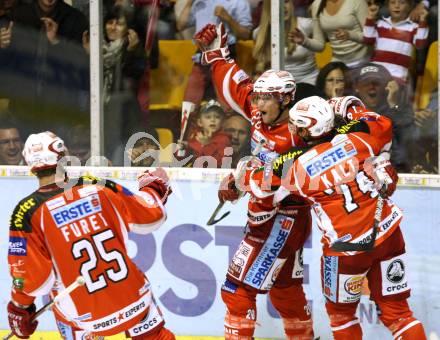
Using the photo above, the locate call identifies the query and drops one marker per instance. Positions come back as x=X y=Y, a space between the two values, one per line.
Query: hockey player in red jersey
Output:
x=269 y=259
x=68 y=228
x=342 y=175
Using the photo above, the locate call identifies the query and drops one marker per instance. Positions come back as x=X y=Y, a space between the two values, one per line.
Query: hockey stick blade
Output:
x=79 y=281
x=212 y=219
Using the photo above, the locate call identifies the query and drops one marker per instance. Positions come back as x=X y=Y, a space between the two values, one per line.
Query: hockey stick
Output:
x=78 y=282
x=237 y=175
x=187 y=108
x=212 y=219
x=341 y=246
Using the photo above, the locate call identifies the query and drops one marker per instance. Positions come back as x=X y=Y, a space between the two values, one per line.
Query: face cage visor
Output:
x=265 y=96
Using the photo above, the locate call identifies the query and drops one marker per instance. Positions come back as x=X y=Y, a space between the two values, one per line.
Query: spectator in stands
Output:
x=207 y=139
x=11 y=144
x=299 y=61
x=333 y=80
x=44 y=67
x=78 y=142
x=124 y=62
x=236 y=17
x=426 y=137
x=83 y=6
x=141 y=149
x=374 y=85
x=188 y=32
x=143 y=15
x=238 y=129
x=394 y=37
x=302 y=7
x=6 y=7
x=340 y=22
x=145 y=151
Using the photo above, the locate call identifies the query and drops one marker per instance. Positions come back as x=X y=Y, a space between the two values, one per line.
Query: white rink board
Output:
x=187 y=260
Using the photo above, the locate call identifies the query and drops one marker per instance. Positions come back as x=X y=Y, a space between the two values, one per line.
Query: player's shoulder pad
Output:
x=287 y=158
x=353 y=126
x=22 y=214
x=87 y=179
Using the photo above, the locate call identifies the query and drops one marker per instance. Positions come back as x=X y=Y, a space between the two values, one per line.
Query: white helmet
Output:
x=313 y=113
x=43 y=150
x=272 y=81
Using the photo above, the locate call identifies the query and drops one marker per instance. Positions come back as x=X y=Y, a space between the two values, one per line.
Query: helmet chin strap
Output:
x=280 y=111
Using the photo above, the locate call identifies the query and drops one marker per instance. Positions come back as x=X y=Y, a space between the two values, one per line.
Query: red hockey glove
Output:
x=342 y=105
x=212 y=41
x=20 y=320
x=389 y=189
x=158 y=181
x=384 y=175
x=227 y=190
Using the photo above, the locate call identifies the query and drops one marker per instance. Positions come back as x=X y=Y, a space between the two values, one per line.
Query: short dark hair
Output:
x=8 y=123
x=153 y=133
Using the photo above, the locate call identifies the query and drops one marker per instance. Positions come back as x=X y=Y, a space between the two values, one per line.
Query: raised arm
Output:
x=233 y=84
x=183 y=19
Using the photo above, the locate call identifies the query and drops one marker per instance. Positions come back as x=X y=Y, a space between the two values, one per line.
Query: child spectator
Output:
x=394 y=37
x=207 y=139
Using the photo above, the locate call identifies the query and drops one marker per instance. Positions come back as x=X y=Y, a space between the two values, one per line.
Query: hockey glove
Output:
x=158 y=181
x=20 y=320
x=342 y=105
x=212 y=41
x=228 y=190
x=384 y=175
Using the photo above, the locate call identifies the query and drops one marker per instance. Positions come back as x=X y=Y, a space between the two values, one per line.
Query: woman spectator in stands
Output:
x=333 y=80
x=298 y=60
x=339 y=22
x=124 y=62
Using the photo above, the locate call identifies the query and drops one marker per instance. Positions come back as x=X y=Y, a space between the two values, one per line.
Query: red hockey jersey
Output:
x=57 y=235
x=332 y=176
x=234 y=87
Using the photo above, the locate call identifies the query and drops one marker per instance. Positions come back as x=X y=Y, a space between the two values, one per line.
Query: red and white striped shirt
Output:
x=394 y=43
